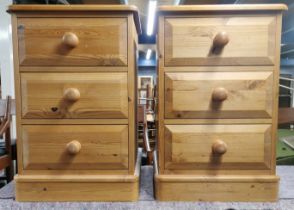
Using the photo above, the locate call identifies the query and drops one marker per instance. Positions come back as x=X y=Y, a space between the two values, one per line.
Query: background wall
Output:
x=6 y=56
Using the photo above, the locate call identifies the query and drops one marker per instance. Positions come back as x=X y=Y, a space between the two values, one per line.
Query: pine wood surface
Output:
x=75 y=102
x=102 y=95
x=102 y=41
x=194 y=70
x=189 y=95
x=189 y=40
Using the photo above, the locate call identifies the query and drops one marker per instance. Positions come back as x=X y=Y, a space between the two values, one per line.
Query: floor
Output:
x=146 y=201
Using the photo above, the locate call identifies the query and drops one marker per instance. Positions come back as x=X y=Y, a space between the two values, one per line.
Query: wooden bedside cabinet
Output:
x=218 y=99
x=75 y=81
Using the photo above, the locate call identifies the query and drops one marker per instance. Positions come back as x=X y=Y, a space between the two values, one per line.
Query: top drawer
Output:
x=72 y=41
x=220 y=41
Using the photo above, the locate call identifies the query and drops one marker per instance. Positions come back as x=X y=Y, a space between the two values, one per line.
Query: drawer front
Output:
x=219 y=95
x=72 y=41
x=217 y=147
x=74 y=95
x=66 y=147
x=220 y=41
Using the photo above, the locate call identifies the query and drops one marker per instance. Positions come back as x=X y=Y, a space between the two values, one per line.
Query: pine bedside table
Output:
x=75 y=81
x=218 y=98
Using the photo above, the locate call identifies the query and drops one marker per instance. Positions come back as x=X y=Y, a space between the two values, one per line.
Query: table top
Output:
x=111 y=8
x=222 y=7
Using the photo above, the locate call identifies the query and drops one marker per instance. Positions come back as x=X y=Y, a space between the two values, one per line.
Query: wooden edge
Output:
x=75 y=178
x=85 y=178
x=78 y=8
x=242 y=189
x=222 y=7
x=217 y=179
x=182 y=178
x=74 y=121
x=66 y=69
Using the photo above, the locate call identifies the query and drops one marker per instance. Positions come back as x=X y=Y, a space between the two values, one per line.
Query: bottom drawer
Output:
x=63 y=147
x=218 y=147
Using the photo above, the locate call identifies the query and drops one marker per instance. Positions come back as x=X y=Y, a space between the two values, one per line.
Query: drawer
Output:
x=220 y=40
x=217 y=147
x=74 y=95
x=219 y=95
x=72 y=41
x=66 y=147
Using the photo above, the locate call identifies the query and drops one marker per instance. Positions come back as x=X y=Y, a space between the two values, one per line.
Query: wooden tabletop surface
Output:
x=116 y=8
x=222 y=7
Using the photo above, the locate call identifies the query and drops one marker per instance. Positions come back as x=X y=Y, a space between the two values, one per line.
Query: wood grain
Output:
x=222 y=188
x=79 y=188
x=190 y=147
x=189 y=40
x=190 y=69
x=57 y=69
x=221 y=8
x=102 y=147
x=276 y=91
x=55 y=9
x=132 y=89
x=161 y=98
x=103 y=95
x=103 y=42
x=74 y=121
x=76 y=88
x=217 y=68
x=77 y=191
x=189 y=95
x=215 y=121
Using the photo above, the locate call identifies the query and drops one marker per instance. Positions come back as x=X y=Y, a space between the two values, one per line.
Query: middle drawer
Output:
x=74 y=95
x=218 y=95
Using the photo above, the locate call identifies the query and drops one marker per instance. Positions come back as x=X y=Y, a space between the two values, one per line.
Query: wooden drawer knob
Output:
x=219 y=147
x=221 y=39
x=72 y=94
x=70 y=39
x=73 y=147
x=219 y=94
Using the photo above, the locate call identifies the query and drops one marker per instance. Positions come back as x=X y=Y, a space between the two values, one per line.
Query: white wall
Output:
x=6 y=56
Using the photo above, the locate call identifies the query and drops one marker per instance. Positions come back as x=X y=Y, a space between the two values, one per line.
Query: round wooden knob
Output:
x=219 y=147
x=73 y=147
x=219 y=94
x=70 y=39
x=72 y=94
x=221 y=39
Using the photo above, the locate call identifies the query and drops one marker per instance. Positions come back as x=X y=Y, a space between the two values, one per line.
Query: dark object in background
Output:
x=285 y=97
x=6 y=146
x=47 y=1
x=285 y=94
